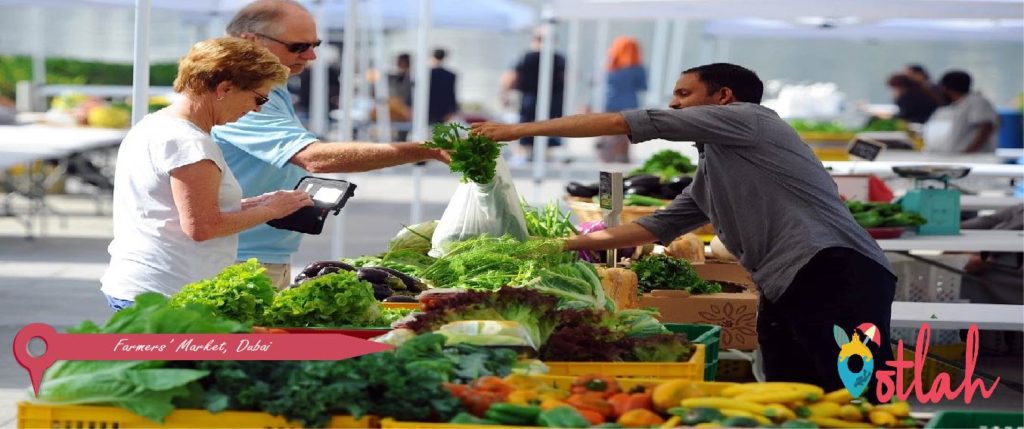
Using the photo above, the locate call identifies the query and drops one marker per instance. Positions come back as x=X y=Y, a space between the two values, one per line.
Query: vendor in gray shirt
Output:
x=773 y=205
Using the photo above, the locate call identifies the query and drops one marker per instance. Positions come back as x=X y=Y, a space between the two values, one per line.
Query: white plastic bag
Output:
x=476 y=209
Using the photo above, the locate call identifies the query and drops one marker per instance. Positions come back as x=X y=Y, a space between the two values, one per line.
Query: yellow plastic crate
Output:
x=395 y=424
x=690 y=370
x=79 y=416
x=564 y=382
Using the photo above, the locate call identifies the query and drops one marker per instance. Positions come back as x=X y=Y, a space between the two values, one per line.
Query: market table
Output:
x=23 y=144
x=977 y=202
x=969 y=240
x=943 y=315
x=884 y=168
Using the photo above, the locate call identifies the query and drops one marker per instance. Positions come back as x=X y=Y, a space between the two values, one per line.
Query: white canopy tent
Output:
x=989 y=30
x=883 y=16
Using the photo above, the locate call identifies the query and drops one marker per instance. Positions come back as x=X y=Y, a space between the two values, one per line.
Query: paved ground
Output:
x=54 y=279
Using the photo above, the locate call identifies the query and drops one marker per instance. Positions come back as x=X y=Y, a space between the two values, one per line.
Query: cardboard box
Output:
x=735 y=312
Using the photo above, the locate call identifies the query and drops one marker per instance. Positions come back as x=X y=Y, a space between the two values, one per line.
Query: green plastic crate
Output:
x=976 y=419
x=708 y=335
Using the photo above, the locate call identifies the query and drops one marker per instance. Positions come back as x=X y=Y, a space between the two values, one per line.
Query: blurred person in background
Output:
x=524 y=78
x=443 y=102
x=177 y=206
x=626 y=77
x=914 y=103
x=967 y=125
x=271 y=149
x=920 y=75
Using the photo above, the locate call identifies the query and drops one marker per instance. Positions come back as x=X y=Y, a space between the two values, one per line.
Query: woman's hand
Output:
x=495 y=131
x=284 y=203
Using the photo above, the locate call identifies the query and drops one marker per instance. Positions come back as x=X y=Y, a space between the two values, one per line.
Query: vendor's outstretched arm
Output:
x=627 y=235
x=588 y=125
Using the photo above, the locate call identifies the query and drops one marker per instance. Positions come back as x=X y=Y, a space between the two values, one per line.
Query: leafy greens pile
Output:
x=666 y=164
x=336 y=299
x=627 y=336
x=474 y=156
x=488 y=263
x=146 y=388
x=406 y=383
x=665 y=272
x=568 y=334
x=239 y=292
x=244 y=293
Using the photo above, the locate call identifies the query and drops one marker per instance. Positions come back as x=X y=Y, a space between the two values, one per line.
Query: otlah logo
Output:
x=856 y=382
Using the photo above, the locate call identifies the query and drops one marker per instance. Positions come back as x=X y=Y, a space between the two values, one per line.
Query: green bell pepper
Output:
x=562 y=417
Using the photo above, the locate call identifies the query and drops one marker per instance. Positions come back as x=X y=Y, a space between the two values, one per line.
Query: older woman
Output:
x=177 y=207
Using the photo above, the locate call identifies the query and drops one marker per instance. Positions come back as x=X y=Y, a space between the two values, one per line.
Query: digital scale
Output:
x=610 y=197
x=329 y=195
x=939 y=206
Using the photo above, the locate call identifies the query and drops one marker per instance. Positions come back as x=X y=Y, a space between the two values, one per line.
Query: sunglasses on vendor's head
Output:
x=260 y=98
x=295 y=48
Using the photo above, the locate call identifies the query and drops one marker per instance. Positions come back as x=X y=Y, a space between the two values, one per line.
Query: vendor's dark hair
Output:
x=956 y=80
x=745 y=84
x=917 y=68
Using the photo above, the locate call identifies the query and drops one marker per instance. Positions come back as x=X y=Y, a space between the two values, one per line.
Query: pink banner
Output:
x=182 y=347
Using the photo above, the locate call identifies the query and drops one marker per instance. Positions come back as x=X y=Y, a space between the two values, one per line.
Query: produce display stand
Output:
x=734 y=312
x=32 y=415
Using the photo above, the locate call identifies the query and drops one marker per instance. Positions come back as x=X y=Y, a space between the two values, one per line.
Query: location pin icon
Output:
x=36 y=365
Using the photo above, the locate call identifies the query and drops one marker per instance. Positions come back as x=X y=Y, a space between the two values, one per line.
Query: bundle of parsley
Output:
x=474 y=156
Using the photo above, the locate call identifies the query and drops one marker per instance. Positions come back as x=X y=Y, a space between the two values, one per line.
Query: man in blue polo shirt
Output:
x=270 y=149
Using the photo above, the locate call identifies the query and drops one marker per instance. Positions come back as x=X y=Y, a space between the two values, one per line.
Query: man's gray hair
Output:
x=261 y=17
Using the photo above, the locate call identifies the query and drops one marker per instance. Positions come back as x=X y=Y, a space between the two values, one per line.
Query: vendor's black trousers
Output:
x=838 y=286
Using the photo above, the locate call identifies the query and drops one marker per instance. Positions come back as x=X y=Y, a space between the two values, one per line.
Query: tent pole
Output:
x=347 y=76
x=38 y=100
x=656 y=74
x=420 y=103
x=675 y=55
x=600 y=88
x=140 y=61
x=572 y=68
x=544 y=88
x=380 y=87
x=318 y=77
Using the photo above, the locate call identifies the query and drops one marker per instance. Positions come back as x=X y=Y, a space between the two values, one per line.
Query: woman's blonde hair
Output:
x=228 y=59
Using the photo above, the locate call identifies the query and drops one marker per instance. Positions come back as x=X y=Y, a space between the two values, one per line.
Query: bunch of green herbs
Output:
x=472 y=155
x=659 y=271
x=549 y=221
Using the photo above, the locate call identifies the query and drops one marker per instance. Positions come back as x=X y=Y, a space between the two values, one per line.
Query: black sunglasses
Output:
x=295 y=48
x=260 y=99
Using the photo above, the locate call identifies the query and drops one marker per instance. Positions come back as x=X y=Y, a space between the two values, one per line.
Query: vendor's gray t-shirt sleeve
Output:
x=732 y=124
x=681 y=216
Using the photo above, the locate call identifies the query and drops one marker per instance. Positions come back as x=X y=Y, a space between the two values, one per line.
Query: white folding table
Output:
x=22 y=144
x=969 y=240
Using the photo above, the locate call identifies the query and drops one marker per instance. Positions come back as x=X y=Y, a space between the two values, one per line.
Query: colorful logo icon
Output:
x=856 y=382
